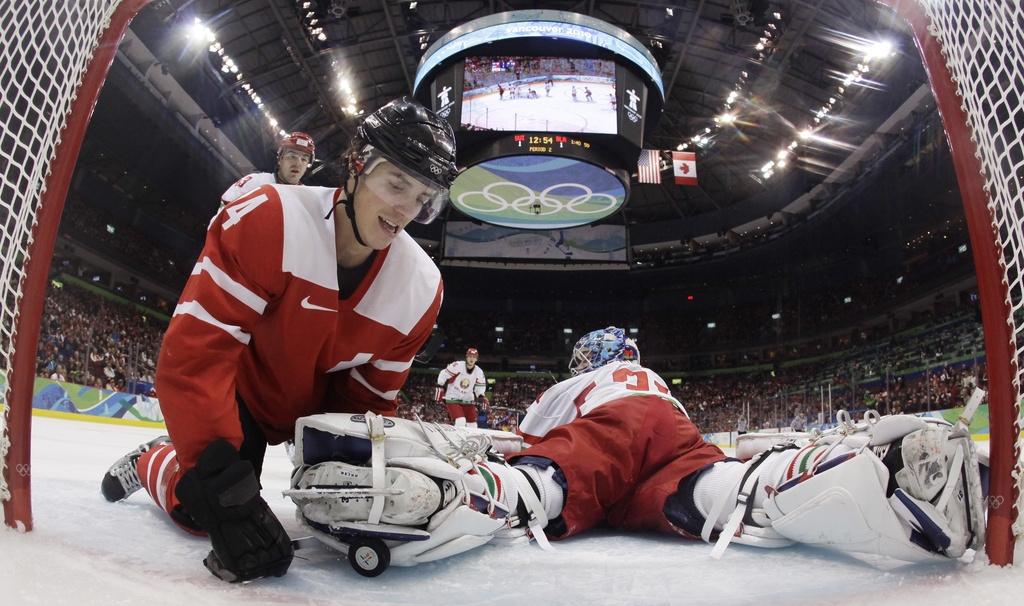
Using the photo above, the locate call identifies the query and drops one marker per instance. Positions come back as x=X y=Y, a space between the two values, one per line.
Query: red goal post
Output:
x=53 y=62
x=973 y=54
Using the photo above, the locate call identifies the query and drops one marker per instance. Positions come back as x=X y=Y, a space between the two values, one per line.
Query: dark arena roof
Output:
x=825 y=182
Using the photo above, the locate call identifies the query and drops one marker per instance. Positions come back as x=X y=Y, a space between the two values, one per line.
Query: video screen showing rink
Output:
x=542 y=94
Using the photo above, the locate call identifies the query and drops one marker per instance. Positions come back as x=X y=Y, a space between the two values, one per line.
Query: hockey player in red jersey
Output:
x=612 y=447
x=292 y=309
x=295 y=154
x=461 y=386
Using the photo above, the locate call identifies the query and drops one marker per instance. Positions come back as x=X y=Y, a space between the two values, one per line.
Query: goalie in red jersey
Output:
x=292 y=309
x=612 y=447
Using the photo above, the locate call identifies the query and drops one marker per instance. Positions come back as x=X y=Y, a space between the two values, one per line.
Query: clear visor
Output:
x=406 y=192
x=295 y=154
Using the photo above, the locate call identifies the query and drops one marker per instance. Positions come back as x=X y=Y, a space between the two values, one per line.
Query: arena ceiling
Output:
x=705 y=48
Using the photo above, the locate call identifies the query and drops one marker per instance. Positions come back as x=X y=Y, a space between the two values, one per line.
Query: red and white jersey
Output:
x=460 y=384
x=576 y=397
x=245 y=185
x=261 y=316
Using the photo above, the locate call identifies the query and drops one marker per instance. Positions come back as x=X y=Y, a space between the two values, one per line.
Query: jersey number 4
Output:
x=238 y=210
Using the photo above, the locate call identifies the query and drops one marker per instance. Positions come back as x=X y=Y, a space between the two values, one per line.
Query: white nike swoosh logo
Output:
x=307 y=305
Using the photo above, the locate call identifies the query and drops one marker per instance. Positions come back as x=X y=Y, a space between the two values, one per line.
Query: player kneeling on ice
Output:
x=295 y=307
x=611 y=446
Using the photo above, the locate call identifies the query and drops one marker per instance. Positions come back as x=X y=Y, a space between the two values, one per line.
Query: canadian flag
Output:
x=684 y=165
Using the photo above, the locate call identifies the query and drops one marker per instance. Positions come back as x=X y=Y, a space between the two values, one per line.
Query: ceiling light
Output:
x=727 y=118
x=680 y=147
x=878 y=50
x=767 y=167
x=806 y=134
x=321 y=36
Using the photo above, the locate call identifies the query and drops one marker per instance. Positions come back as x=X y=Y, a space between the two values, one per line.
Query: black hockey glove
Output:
x=223 y=497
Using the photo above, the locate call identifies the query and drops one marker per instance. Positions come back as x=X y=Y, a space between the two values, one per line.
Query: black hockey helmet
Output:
x=416 y=140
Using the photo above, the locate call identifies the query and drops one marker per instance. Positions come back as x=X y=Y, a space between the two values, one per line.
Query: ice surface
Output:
x=87 y=551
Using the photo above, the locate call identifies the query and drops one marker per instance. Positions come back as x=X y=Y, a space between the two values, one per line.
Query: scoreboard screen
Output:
x=550 y=109
x=543 y=94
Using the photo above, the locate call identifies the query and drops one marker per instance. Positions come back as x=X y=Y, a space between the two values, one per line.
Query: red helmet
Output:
x=472 y=352
x=300 y=142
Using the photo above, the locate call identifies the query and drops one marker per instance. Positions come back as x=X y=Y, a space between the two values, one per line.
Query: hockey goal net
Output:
x=56 y=55
x=973 y=52
x=53 y=60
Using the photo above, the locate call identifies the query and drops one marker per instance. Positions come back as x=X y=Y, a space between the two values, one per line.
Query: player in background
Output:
x=295 y=154
x=294 y=307
x=461 y=386
x=589 y=95
x=612 y=447
x=573 y=93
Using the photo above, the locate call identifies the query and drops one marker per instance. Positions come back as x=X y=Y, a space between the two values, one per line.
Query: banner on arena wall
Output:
x=60 y=396
x=464 y=239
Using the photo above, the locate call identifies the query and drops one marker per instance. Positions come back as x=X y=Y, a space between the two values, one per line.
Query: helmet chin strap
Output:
x=349 y=202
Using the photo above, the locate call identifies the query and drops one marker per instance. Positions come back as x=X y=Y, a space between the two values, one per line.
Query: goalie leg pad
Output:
x=845 y=508
x=416 y=496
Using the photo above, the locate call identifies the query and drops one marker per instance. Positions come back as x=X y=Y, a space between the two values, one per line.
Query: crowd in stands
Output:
x=929 y=363
x=89 y=340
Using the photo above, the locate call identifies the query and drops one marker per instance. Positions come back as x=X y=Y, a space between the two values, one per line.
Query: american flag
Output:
x=648 y=167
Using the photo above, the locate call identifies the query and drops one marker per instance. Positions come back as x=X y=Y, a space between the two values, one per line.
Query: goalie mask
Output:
x=597 y=348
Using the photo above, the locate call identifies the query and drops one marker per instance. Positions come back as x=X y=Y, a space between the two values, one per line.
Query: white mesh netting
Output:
x=983 y=43
x=46 y=49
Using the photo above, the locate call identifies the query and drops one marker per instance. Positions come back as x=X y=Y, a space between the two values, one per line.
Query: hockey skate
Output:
x=122 y=479
x=393 y=491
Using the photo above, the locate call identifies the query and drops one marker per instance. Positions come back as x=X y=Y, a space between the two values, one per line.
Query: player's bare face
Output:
x=392 y=199
x=471 y=361
x=291 y=165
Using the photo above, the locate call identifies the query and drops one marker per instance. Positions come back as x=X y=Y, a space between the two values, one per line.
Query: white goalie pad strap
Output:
x=845 y=508
x=375 y=427
x=538 y=517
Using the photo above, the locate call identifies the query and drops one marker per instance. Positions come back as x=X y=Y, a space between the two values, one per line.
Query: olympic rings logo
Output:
x=532 y=203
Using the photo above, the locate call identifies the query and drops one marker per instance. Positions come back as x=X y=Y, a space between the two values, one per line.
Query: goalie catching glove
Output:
x=429 y=491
